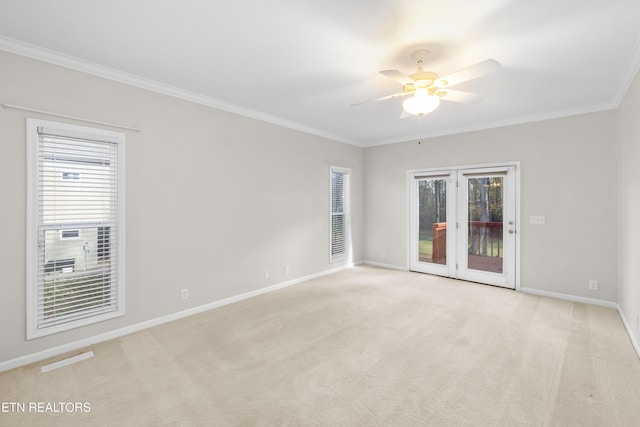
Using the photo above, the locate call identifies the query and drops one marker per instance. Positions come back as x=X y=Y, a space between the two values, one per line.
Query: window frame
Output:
x=346 y=212
x=33 y=246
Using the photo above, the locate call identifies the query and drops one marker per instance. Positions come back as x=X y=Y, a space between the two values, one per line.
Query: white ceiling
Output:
x=302 y=63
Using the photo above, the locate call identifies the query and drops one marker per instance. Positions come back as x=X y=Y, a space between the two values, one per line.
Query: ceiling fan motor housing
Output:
x=422 y=79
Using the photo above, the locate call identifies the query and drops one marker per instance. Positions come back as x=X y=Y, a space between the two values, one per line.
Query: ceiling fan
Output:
x=428 y=88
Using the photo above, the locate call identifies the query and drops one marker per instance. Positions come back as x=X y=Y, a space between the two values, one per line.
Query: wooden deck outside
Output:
x=485 y=245
x=492 y=264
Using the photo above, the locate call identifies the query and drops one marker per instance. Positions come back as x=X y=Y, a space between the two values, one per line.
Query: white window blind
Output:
x=340 y=220
x=76 y=271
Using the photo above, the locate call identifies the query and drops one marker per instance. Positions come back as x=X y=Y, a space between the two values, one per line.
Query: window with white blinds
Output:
x=340 y=220
x=76 y=226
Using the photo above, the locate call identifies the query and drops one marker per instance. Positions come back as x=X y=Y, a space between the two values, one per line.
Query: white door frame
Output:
x=437 y=269
x=507 y=277
x=440 y=171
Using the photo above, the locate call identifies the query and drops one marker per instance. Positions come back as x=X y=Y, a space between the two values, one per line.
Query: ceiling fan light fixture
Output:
x=421 y=103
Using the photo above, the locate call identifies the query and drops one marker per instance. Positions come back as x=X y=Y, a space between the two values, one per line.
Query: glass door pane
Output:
x=462 y=223
x=432 y=220
x=485 y=249
x=487 y=229
x=430 y=241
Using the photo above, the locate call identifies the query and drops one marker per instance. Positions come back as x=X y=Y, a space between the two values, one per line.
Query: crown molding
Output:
x=67 y=61
x=519 y=120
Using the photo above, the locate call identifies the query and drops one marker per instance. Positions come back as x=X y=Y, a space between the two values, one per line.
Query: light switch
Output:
x=539 y=220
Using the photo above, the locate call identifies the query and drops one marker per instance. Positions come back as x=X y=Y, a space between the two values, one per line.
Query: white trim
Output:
x=65 y=116
x=627 y=326
x=463 y=167
x=346 y=205
x=342 y=163
x=441 y=171
x=591 y=301
x=57 y=58
x=533 y=118
x=73 y=63
x=519 y=225
x=448 y=269
x=76 y=345
x=567 y=297
x=32 y=140
x=389 y=266
x=508 y=278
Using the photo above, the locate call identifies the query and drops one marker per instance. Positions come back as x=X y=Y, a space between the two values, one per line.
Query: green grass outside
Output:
x=66 y=295
x=425 y=245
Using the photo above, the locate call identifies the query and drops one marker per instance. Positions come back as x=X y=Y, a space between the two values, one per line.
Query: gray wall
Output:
x=629 y=207
x=568 y=174
x=213 y=198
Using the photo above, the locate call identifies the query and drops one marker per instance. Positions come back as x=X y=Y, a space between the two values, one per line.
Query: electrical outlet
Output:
x=184 y=294
x=593 y=285
x=266 y=274
x=287 y=269
x=383 y=254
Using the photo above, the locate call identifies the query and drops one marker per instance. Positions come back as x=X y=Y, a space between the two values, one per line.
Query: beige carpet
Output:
x=363 y=347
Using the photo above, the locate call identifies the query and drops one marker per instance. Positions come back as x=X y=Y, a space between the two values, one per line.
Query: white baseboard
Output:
x=627 y=326
x=76 y=345
x=382 y=265
x=558 y=295
x=593 y=301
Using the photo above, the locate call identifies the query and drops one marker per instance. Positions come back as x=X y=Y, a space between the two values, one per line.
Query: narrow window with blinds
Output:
x=75 y=235
x=340 y=221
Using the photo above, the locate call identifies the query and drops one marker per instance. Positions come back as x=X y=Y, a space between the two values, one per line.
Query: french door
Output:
x=463 y=224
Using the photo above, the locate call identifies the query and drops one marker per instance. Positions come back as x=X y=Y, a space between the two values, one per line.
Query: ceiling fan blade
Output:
x=478 y=70
x=459 y=96
x=397 y=76
x=395 y=95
